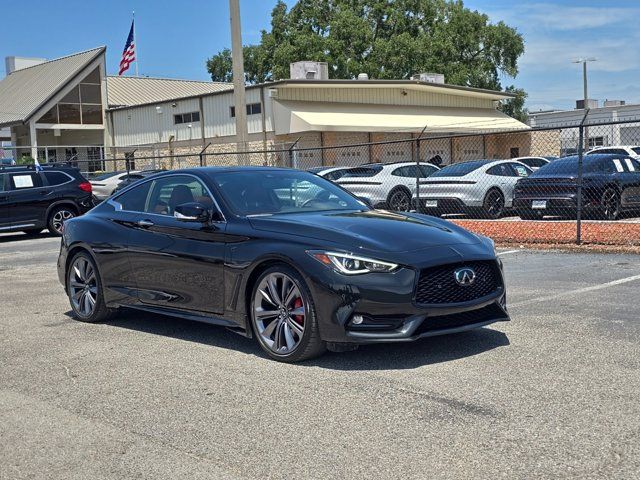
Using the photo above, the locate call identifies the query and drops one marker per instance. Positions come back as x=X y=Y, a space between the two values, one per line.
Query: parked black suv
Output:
x=32 y=200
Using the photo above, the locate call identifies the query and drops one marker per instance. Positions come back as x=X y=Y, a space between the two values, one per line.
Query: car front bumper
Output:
x=387 y=304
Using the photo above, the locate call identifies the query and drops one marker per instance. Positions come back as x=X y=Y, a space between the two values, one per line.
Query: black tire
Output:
x=399 y=200
x=32 y=232
x=493 y=205
x=57 y=217
x=610 y=204
x=530 y=215
x=100 y=311
x=310 y=344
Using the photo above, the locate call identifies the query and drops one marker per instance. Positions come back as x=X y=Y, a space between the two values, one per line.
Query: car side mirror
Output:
x=192 y=212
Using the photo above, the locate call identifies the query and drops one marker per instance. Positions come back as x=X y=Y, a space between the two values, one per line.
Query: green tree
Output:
x=514 y=107
x=387 y=39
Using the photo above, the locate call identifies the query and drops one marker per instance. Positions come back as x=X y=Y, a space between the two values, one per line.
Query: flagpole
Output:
x=135 y=41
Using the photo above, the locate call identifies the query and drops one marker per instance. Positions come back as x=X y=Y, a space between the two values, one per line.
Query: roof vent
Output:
x=309 y=71
x=429 y=77
x=363 y=76
x=614 y=103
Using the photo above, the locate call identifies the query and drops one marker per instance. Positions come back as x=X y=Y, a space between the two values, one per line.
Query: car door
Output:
x=516 y=171
x=4 y=208
x=628 y=177
x=26 y=199
x=178 y=264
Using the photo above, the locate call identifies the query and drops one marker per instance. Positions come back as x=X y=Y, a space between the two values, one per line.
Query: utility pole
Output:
x=237 y=59
x=584 y=62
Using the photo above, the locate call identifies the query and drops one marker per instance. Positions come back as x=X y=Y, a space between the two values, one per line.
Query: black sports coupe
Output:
x=282 y=255
x=611 y=186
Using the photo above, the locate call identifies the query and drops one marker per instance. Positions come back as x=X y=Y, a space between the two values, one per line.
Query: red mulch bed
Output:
x=552 y=234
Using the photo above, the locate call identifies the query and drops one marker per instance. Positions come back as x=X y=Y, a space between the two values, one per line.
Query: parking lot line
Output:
x=509 y=251
x=576 y=291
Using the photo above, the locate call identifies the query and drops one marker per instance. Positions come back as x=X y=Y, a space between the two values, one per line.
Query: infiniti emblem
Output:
x=465 y=276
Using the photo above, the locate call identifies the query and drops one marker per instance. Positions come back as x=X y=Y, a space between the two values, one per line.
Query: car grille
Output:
x=437 y=285
x=462 y=319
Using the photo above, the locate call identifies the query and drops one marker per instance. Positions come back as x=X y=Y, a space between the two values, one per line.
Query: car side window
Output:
x=500 y=170
x=400 y=172
x=56 y=178
x=169 y=192
x=24 y=180
x=427 y=170
x=134 y=200
x=519 y=170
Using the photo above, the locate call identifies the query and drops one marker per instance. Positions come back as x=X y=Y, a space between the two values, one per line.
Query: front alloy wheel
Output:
x=283 y=316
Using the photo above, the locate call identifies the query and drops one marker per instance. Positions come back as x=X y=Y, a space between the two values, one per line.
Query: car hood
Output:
x=375 y=230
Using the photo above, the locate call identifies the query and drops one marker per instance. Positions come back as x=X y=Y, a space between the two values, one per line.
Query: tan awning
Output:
x=298 y=116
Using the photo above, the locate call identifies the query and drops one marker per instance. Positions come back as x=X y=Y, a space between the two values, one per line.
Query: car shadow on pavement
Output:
x=19 y=236
x=388 y=356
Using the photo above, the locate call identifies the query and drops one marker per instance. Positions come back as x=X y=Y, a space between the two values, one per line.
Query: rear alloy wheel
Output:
x=283 y=316
x=610 y=204
x=493 y=206
x=57 y=217
x=84 y=289
x=399 y=201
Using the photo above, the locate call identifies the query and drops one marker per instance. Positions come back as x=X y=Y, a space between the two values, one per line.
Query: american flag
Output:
x=129 y=53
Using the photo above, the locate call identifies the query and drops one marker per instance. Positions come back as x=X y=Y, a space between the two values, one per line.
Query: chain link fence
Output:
x=572 y=184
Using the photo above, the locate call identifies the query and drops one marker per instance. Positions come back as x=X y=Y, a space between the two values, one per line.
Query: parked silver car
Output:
x=386 y=185
x=481 y=188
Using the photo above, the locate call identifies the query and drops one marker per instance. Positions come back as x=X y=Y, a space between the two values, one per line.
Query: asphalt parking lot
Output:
x=553 y=394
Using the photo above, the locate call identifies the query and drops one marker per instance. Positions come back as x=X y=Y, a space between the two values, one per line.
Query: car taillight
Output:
x=85 y=187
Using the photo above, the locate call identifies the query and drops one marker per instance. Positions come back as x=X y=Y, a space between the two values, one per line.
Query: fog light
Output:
x=357 y=320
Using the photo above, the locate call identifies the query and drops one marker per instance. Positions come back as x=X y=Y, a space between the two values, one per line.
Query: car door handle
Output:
x=144 y=223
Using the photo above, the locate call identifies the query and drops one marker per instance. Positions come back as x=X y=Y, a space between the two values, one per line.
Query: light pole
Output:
x=585 y=106
x=237 y=61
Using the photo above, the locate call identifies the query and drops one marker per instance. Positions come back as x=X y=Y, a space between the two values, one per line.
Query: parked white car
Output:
x=386 y=185
x=104 y=185
x=480 y=188
x=632 y=151
x=534 y=163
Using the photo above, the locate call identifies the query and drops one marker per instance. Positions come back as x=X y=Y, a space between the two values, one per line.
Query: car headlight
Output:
x=352 y=264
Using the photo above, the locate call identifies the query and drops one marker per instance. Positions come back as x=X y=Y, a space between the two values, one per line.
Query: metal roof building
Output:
x=69 y=107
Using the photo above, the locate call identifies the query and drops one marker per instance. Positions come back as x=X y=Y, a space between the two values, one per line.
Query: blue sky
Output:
x=175 y=38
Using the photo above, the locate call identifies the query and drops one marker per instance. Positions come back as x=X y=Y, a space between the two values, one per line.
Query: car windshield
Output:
x=263 y=192
x=104 y=176
x=636 y=150
x=459 y=169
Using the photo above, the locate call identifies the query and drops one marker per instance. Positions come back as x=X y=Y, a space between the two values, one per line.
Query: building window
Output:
x=95 y=159
x=252 y=109
x=81 y=105
x=596 y=142
x=191 y=117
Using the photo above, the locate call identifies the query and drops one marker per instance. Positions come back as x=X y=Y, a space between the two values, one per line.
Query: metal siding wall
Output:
x=143 y=125
x=382 y=96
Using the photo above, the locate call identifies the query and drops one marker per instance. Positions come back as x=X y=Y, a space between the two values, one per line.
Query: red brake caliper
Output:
x=297 y=303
